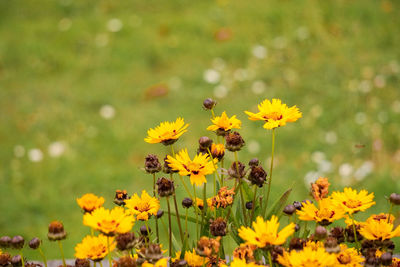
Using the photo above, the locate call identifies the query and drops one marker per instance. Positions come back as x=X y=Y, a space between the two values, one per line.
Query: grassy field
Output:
x=82 y=81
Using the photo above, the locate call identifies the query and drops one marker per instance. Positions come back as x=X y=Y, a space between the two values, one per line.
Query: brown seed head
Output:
x=218 y=227
x=320 y=189
x=82 y=263
x=234 y=141
x=208 y=247
x=125 y=261
x=120 y=197
x=126 y=241
x=257 y=176
x=235 y=167
x=56 y=231
x=245 y=252
x=165 y=187
x=17 y=242
x=151 y=164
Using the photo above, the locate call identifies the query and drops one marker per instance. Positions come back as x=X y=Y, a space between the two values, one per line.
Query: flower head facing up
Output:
x=274 y=114
x=223 y=124
x=94 y=247
x=324 y=215
x=194 y=260
x=351 y=201
x=197 y=168
x=378 y=230
x=144 y=206
x=266 y=232
x=90 y=202
x=167 y=133
x=308 y=257
x=109 y=222
x=348 y=257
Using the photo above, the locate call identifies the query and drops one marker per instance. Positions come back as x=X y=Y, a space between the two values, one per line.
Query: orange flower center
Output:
x=352 y=204
x=108 y=225
x=344 y=258
x=276 y=116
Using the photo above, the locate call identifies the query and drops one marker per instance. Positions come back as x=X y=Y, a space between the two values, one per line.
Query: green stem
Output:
x=186 y=220
x=178 y=218
x=204 y=204
x=22 y=258
x=43 y=256
x=186 y=188
x=269 y=259
x=62 y=253
x=172 y=150
x=195 y=205
x=390 y=212
x=154 y=195
x=254 y=204
x=241 y=189
x=94 y=264
x=169 y=228
x=222 y=175
x=101 y=264
x=355 y=233
x=270 y=171
x=109 y=251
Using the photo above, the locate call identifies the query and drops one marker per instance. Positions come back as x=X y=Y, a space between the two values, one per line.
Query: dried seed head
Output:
x=151 y=254
x=205 y=142
x=237 y=170
x=218 y=227
x=331 y=245
x=17 y=242
x=125 y=261
x=5 y=259
x=289 y=209
x=126 y=241
x=34 y=243
x=145 y=230
x=297 y=243
x=120 y=197
x=245 y=252
x=338 y=233
x=5 y=241
x=209 y=103
x=151 y=164
x=275 y=252
x=82 y=263
x=187 y=202
x=395 y=199
x=234 y=141
x=16 y=261
x=320 y=189
x=257 y=176
x=165 y=187
x=350 y=234
x=56 y=231
x=254 y=162
x=208 y=247
x=320 y=232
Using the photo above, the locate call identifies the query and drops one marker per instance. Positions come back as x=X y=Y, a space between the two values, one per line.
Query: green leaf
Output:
x=233 y=232
x=190 y=219
x=279 y=204
x=247 y=191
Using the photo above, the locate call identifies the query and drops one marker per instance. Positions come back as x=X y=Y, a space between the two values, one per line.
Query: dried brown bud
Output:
x=34 y=243
x=254 y=162
x=297 y=243
x=245 y=252
x=218 y=227
x=126 y=241
x=17 y=242
x=257 y=176
x=289 y=209
x=395 y=199
x=16 y=261
x=234 y=141
x=205 y=142
x=208 y=247
x=160 y=213
x=249 y=205
x=151 y=164
x=151 y=254
x=320 y=232
x=320 y=189
x=120 y=197
x=237 y=170
x=5 y=259
x=56 y=231
x=338 y=233
x=297 y=205
x=165 y=187
x=209 y=103
x=331 y=245
x=5 y=241
x=145 y=230
x=82 y=263
x=187 y=202
x=125 y=261
x=276 y=251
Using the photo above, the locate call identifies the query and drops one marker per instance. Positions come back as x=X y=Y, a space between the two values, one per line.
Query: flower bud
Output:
x=56 y=231
x=205 y=142
x=82 y=263
x=126 y=241
x=145 y=230
x=120 y=197
x=151 y=164
x=160 y=213
x=297 y=243
x=209 y=103
x=289 y=209
x=297 y=227
x=257 y=176
x=331 y=245
x=187 y=202
x=395 y=199
x=320 y=232
x=218 y=227
x=165 y=187
x=338 y=233
x=217 y=151
x=234 y=141
x=16 y=261
x=297 y=205
x=17 y=242
x=237 y=170
x=249 y=205
x=5 y=241
x=179 y=263
x=34 y=243
x=254 y=162
x=386 y=259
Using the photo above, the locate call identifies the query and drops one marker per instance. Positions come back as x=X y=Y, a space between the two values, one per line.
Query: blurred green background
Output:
x=82 y=81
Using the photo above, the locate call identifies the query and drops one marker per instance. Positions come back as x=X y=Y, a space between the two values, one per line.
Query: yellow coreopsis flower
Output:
x=241 y=263
x=308 y=257
x=197 y=168
x=167 y=132
x=266 y=232
x=378 y=230
x=274 y=114
x=324 y=215
x=223 y=123
x=194 y=260
x=89 y=202
x=351 y=201
x=94 y=247
x=160 y=263
x=109 y=222
x=142 y=206
x=348 y=257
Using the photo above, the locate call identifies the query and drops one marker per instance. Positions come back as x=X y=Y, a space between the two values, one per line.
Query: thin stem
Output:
x=62 y=253
x=186 y=188
x=43 y=256
x=154 y=195
x=94 y=264
x=270 y=170
x=186 y=224
x=355 y=233
x=215 y=166
x=204 y=203
x=195 y=205
x=172 y=150
x=254 y=203
x=101 y=263
x=222 y=175
x=169 y=228
x=390 y=212
x=212 y=113
x=22 y=258
x=269 y=259
x=178 y=218
x=240 y=189
x=109 y=251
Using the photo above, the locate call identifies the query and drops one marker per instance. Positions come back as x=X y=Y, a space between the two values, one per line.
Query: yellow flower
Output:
x=241 y=263
x=109 y=222
x=376 y=217
x=194 y=260
x=90 y=202
x=307 y=257
x=275 y=114
x=378 y=229
x=200 y=203
x=160 y=263
x=167 y=132
x=348 y=257
x=94 y=247
x=142 y=206
x=217 y=151
x=325 y=215
x=177 y=256
x=224 y=123
x=266 y=232
x=351 y=201
x=197 y=168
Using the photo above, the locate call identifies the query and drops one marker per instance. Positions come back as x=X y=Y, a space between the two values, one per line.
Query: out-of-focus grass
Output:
x=62 y=61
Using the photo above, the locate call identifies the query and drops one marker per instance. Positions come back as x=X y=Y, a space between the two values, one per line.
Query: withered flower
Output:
x=17 y=242
x=320 y=189
x=125 y=261
x=5 y=259
x=235 y=167
x=152 y=164
x=234 y=141
x=257 y=176
x=217 y=151
x=120 y=197
x=151 y=254
x=56 y=231
x=218 y=227
x=5 y=241
x=82 y=263
x=331 y=245
x=208 y=247
x=165 y=187
x=224 y=198
x=297 y=243
x=245 y=252
x=126 y=241
x=338 y=233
